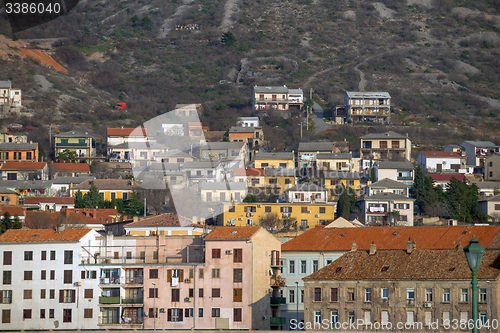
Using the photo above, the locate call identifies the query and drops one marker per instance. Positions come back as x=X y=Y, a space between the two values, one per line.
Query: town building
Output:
x=491 y=207
x=390 y=146
x=82 y=144
x=233 y=154
x=282 y=160
x=334 y=161
x=308 y=151
x=402 y=172
x=368 y=106
x=18 y=151
x=68 y=169
x=24 y=170
x=10 y=98
x=119 y=135
x=138 y=154
x=109 y=189
x=477 y=152
x=280 y=99
x=387 y=185
x=492 y=167
x=383 y=209
x=442 y=161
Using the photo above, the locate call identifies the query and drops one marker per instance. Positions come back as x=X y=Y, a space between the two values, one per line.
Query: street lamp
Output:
x=154 y=306
x=474 y=253
x=297 y=302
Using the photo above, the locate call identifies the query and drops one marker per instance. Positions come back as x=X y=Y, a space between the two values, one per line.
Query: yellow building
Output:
x=279 y=180
x=283 y=160
x=81 y=144
x=334 y=179
x=109 y=189
x=306 y=215
x=168 y=224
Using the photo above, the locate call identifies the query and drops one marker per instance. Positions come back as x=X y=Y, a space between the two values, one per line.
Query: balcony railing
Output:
x=132 y=320
x=405 y=178
x=278 y=300
x=136 y=280
x=69 y=144
x=277 y=321
x=110 y=281
x=139 y=300
x=109 y=300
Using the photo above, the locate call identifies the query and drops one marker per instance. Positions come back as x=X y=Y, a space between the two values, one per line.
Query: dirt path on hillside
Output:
x=168 y=23
x=230 y=9
x=44 y=59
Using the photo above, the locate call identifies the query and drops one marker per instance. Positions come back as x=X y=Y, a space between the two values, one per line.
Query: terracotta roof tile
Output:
x=12 y=210
x=42 y=235
x=393 y=238
x=127 y=131
x=417 y=265
x=84 y=167
x=56 y=200
x=255 y=172
x=13 y=165
x=446 y=177
x=221 y=233
x=162 y=220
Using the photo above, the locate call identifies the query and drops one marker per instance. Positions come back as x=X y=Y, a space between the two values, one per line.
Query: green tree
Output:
x=67 y=156
x=250 y=198
x=146 y=23
x=462 y=201
x=93 y=199
x=346 y=202
x=228 y=39
x=271 y=222
x=79 y=203
x=133 y=206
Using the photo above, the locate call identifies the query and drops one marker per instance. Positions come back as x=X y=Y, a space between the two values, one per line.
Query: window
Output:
x=317 y=294
x=201 y=273
x=303 y=266
x=446 y=317
x=28 y=255
x=43 y=293
x=350 y=294
x=155 y=255
x=51 y=313
x=215 y=273
x=88 y=313
x=174 y=315
x=351 y=317
x=464 y=295
x=66 y=315
x=53 y=274
x=384 y=293
x=410 y=294
x=6 y=297
x=68 y=276
x=6 y=316
x=200 y=313
x=322 y=210
x=446 y=295
x=52 y=293
x=66 y=296
x=191 y=292
x=68 y=257
x=482 y=295
x=315 y=265
x=334 y=294
x=201 y=292
x=303 y=210
x=153 y=313
x=237 y=295
x=317 y=317
x=385 y=317
x=176 y=295
x=88 y=293
x=153 y=292
x=291 y=296
x=43 y=275
x=238 y=255
x=428 y=294
x=368 y=317
x=153 y=273
x=410 y=317
x=28 y=275
x=216 y=253
x=302 y=296
x=215 y=292
x=334 y=317
x=428 y=318
x=52 y=255
x=215 y=312
x=368 y=294
x=27 y=314
x=483 y=317
x=237 y=314
x=42 y=313
x=7 y=257
x=27 y=294
x=189 y=313
x=7 y=277
x=291 y=267
x=237 y=275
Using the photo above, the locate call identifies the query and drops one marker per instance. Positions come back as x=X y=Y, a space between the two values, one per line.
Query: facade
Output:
x=110 y=189
x=387 y=185
x=331 y=161
x=49 y=203
x=8 y=197
x=492 y=168
x=16 y=170
x=44 y=285
x=478 y=151
x=308 y=151
x=68 y=169
x=168 y=224
x=402 y=172
x=223 y=192
x=18 y=151
x=279 y=98
x=385 y=146
x=307 y=193
x=368 y=106
x=235 y=154
x=10 y=98
x=120 y=135
x=13 y=137
x=253 y=137
x=397 y=288
x=491 y=207
x=248 y=122
x=442 y=161
x=283 y=160
x=138 y=154
x=334 y=180
x=306 y=215
x=82 y=144
x=442 y=179
x=384 y=209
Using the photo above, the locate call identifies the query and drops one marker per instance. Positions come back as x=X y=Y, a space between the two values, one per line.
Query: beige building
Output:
x=385 y=146
x=368 y=106
x=280 y=98
x=382 y=290
x=283 y=160
x=492 y=167
x=384 y=209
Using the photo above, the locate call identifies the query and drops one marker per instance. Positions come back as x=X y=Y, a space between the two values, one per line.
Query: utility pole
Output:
x=145 y=204
x=307 y=119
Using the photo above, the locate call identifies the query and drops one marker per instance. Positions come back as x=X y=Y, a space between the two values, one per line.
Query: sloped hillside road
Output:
x=317 y=118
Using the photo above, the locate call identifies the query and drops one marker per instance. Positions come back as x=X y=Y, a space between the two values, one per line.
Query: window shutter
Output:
x=73 y=298
x=169 y=314
x=61 y=296
x=169 y=275
x=83 y=275
x=180 y=315
x=186 y=313
x=181 y=275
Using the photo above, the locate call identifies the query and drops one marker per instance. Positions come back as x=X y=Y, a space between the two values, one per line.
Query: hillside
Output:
x=439 y=59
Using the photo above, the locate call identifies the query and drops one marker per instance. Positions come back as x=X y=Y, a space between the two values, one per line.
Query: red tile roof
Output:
x=254 y=172
x=446 y=177
x=223 y=233
x=439 y=153
x=162 y=220
x=400 y=265
x=82 y=167
x=56 y=200
x=15 y=165
x=126 y=131
x=42 y=235
x=393 y=238
x=12 y=210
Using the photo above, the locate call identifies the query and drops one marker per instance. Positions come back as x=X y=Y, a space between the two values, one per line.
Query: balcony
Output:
x=278 y=301
x=138 y=300
x=136 y=280
x=278 y=282
x=277 y=321
x=405 y=178
x=110 y=281
x=132 y=320
x=69 y=144
x=109 y=300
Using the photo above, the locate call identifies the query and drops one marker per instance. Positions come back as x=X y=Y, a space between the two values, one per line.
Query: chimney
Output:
x=136 y=218
x=60 y=228
x=409 y=246
x=354 y=246
x=373 y=248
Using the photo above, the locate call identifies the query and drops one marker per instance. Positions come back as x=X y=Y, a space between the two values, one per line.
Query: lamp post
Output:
x=297 y=302
x=474 y=253
x=154 y=306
